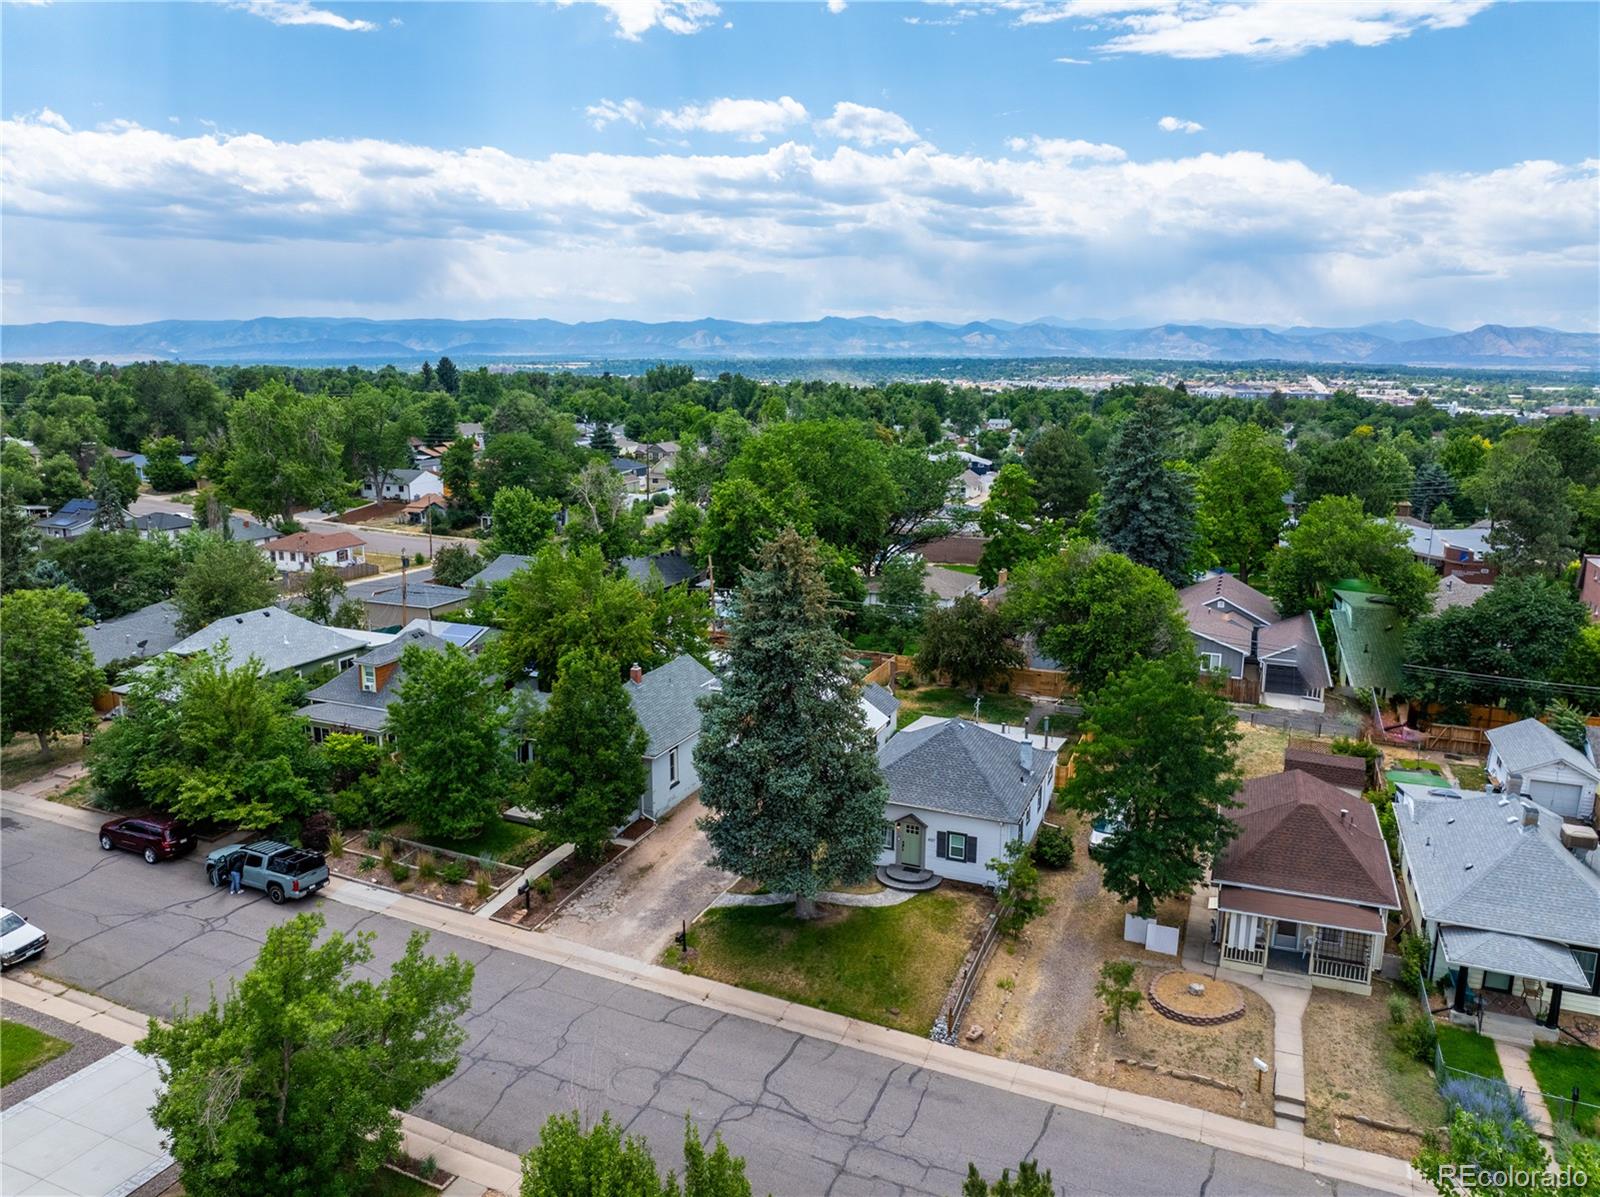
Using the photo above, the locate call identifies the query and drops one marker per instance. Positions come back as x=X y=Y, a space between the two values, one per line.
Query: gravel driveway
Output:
x=637 y=907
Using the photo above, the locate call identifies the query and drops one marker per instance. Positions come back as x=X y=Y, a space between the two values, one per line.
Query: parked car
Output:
x=283 y=872
x=19 y=939
x=151 y=836
x=1103 y=829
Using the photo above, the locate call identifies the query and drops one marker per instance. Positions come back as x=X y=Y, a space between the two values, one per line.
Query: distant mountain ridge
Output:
x=306 y=340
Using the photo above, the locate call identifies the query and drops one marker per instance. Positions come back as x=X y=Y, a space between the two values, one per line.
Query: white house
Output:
x=303 y=550
x=406 y=485
x=665 y=700
x=1528 y=758
x=958 y=794
x=880 y=708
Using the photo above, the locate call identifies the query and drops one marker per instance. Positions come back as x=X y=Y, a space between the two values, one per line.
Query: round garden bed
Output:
x=1217 y=1003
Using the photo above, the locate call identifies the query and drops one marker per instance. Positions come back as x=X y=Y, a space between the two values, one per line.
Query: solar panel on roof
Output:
x=457 y=633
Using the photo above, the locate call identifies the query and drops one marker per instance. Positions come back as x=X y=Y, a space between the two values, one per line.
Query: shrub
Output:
x=1484 y=1097
x=544 y=885
x=335 y=845
x=315 y=830
x=1400 y=1009
x=1413 y=958
x=399 y=870
x=453 y=873
x=428 y=1168
x=1345 y=746
x=485 y=884
x=375 y=839
x=349 y=807
x=368 y=863
x=419 y=559
x=1417 y=1037
x=427 y=867
x=486 y=862
x=1053 y=848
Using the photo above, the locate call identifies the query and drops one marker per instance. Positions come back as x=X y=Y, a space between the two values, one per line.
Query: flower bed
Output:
x=449 y=878
x=554 y=888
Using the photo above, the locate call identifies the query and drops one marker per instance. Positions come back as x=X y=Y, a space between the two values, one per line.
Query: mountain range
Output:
x=307 y=340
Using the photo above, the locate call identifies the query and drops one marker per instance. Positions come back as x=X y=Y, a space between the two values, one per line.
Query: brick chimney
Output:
x=635 y=674
x=1403 y=508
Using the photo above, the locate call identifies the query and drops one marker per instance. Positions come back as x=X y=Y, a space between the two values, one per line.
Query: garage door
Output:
x=1555 y=795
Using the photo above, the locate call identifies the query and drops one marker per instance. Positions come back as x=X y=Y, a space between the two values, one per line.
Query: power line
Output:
x=1528 y=682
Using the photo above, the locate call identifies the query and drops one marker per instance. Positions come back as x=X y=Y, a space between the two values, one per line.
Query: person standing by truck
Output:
x=236 y=874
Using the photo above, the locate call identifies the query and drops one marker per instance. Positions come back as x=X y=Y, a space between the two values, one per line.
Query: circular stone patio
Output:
x=1219 y=1002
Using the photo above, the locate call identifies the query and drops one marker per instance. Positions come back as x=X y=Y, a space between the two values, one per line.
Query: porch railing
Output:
x=1244 y=955
x=1340 y=970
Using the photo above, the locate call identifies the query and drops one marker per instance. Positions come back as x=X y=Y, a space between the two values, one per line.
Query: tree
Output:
x=456 y=565
x=284 y=450
x=119 y=571
x=1362 y=465
x=1157 y=759
x=1146 y=504
x=1020 y=899
x=295 y=1082
x=222 y=577
x=206 y=739
x=322 y=594
x=1574 y=443
x=1522 y=628
x=449 y=376
x=601 y=439
x=1528 y=501
x=163 y=469
x=448 y=721
x=789 y=770
x=19 y=474
x=1117 y=992
x=1240 y=494
x=1010 y=519
x=571 y=1162
x=1030 y=1182
x=924 y=485
x=903 y=598
x=1095 y=612
x=1062 y=471
x=602 y=512
x=59 y=480
x=522 y=521
x=47 y=672
x=967 y=642
x=110 y=501
x=19 y=544
x=1336 y=539
x=458 y=470
x=589 y=768
x=375 y=430
x=738 y=523
x=1567 y=721
x=1431 y=492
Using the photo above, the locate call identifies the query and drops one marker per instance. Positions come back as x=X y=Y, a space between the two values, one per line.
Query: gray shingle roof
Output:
x=342 y=702
x=1514 y=954
x=962 y=769
x=672 y=568
x=501 y=568
x=162 y=521
x=279 y=639
x=665 y=702
x=1527 y=744
x=422 y=595
x=881 y=699
x=1520 y=881
x=118 y=639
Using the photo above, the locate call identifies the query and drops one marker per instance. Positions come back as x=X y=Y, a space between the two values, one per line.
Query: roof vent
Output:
x=1512 y=819
x=1467 y=867
x=1025 y=755
x=238 y=619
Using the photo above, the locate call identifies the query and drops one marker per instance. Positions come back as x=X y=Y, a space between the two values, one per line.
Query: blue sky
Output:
x=1316 y=162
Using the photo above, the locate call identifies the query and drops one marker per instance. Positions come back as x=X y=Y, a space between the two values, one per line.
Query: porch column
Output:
x=1552 y=1018
x=1460 y=1003
x=1266 y=951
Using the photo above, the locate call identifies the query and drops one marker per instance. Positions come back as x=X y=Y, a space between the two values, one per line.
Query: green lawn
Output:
x=1470 y=777
x=948 y=702
x=962 y=569
x=500 y=839
x=386 y=1182
x=1469 y=1051
x=22 y=1049
x=1558 y=1067
x=889 y=965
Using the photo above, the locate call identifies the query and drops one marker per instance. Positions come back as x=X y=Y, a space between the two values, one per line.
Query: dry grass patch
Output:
x=1260 y=750
x=1223 y=1054
x=1352 y=1067
x=21 y=761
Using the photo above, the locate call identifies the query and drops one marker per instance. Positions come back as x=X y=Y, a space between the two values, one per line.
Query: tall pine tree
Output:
x=789 y=770
x=1146 y=505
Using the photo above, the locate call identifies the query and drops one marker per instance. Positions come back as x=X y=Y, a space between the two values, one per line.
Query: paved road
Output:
x=810 y=1117
x=377 y=540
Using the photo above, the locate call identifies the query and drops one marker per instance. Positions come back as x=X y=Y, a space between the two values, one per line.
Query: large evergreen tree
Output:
x=1062 y=472
x=1529 y=503
x=1147 y=510
x=1157 y=757
x=789 y=770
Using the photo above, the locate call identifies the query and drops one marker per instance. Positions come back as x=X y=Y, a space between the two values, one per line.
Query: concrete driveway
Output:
x=637 y=907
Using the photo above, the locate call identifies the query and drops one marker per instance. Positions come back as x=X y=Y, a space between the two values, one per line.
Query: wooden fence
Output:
x=294 y=582
x=1451 y=737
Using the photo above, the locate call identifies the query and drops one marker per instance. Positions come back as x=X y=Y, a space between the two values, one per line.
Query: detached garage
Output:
x=1528 y=758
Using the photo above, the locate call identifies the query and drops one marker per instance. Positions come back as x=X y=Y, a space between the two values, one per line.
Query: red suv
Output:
x=151 y=836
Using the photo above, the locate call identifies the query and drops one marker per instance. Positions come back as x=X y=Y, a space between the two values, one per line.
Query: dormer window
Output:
x=369 y=679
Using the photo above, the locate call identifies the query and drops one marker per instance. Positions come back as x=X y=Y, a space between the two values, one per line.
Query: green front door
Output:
x=911 y=846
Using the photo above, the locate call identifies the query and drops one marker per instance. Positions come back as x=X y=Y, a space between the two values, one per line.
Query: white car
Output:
x=1103 y=829
x=19 y=939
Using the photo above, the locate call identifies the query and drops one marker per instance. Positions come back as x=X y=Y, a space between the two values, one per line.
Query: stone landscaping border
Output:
x=87 y=1047
x=1191 y=1020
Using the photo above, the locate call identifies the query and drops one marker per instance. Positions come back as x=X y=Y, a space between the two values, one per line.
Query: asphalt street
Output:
x=810 y=1117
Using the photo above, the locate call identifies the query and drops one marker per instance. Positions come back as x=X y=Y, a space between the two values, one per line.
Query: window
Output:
x=957 y=846
x=318 y=734
x=1587 y=960
x=252 y=861
x=369 y=679
x=345 y=663
x=524 y=752
x=672 y=766
x=1213 y=661
x=888 y=837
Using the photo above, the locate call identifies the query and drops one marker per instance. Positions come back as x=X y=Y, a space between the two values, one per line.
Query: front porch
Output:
x=1335 y=957
x=1521 y=1004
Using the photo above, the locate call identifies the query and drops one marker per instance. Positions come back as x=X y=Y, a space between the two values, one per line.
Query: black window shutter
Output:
x=943 y=847
x=972 y=849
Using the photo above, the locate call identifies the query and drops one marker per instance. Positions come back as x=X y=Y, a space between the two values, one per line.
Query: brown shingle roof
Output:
x=1229 y=588
x=1293 y=838
x=313 y=542
x=1331 y=767
x=1288 y=908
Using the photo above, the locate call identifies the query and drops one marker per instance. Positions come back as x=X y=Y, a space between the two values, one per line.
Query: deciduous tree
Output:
x=221 y=577
x=284 y=450
x=296 y=1080
x=321 y=595
x=1241 y=499
x=968 y=643
x=47 y=672
x=1016 y=531
x=789 y=769
x=1062 y=471
x=522 y=520
x=118 y=571
x=1528 y=501
x=1157 y=758
x=163 y=469
x=456 y=565
x=600 y=1162
x=1337 y=539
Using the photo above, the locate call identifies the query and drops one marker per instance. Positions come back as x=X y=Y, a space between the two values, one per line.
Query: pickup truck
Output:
x=283 y=872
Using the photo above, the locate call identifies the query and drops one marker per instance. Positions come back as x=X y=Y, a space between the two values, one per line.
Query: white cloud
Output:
x=302 y=12
x=836 y=6
x=1219 y=28
x=867 y=126
x=129 y=223
x=609 y=111
x=52 y=118
x=749 y=120
x=1173 y=124
x=634 y=18
x=1074 y=61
